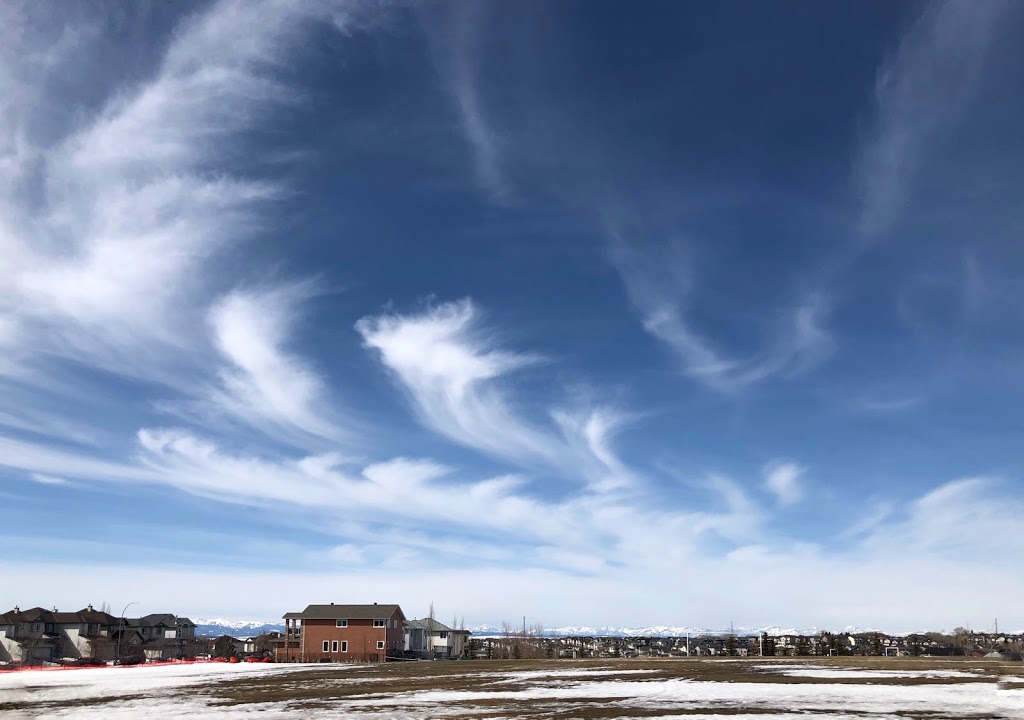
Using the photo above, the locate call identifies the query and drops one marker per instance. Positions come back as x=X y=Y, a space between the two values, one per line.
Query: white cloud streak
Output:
x=263 y=384
x=113 y=220
x=457 y=57
x=920 y=93
x=457 y=381
x=908 y=551
x=658 y=284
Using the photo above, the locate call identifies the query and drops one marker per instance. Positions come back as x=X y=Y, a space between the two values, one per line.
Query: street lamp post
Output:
x=120 y=625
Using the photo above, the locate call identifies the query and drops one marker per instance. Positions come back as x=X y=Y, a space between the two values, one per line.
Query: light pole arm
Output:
x=120 y=625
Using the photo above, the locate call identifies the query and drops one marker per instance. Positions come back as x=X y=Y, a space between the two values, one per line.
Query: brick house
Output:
x=342 y=633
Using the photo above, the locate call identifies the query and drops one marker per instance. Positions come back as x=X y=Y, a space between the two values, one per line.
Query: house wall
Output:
x=361 y=636
x=10 y=651
x=73 y=644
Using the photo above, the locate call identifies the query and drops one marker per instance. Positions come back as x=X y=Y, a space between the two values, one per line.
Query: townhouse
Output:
x=38 y=635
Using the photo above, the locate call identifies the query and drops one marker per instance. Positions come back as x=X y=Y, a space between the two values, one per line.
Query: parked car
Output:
x=133 y=660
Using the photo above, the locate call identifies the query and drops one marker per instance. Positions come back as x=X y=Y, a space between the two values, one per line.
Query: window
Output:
x=380 y=623
x=327 y=645
x=341 y=623
x=344 y=645
x=380 y=644
x=334 y=646
x=444 y=636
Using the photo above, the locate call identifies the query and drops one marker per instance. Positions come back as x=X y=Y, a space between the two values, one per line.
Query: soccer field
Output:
x=620 y=689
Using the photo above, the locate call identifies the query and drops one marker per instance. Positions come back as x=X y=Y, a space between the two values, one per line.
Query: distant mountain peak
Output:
x=209 y=627
x=648 y=631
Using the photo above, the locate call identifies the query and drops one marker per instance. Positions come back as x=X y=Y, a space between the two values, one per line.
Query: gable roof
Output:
x=36 y=614
x=433 y=626
x=347 y=612
x=157 y=619
x=96 y=616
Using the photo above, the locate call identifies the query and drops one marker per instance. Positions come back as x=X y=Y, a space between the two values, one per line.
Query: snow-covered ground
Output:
x=811 y=671
x=123 y=692
x=174 y=692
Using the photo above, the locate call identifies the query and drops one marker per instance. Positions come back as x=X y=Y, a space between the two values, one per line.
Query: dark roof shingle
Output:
x=346 y=612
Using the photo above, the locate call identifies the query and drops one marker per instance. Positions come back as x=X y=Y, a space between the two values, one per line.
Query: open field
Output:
x=691 y=689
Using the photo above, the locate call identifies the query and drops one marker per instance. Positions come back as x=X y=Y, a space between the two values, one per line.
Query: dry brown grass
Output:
x=333 y=687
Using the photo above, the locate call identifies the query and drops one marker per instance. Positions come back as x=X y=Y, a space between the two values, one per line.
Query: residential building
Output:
x=342 y=633
x=36 y=636
x=427 y=638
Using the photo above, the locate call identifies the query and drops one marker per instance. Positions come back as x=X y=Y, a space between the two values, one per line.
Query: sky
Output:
x=592 y=313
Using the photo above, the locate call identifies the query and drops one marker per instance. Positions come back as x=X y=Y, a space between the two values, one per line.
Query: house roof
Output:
x=432 y=626
x=345 y=612
x=96 y=616
x=36 y=614
x=154 y=619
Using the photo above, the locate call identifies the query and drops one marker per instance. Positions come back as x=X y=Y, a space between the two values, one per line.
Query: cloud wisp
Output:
x=920 y=93
x=262 y=384
x=659 y=284
x=455 y=37
x=113 y=221
x=447 y=362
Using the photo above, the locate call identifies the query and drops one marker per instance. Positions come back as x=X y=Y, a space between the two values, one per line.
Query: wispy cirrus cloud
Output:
x=114 y=216
x=921 y=92
x=944 y=521
x=458 y=379
x=49 y=479
x=659 y=283
x=263 y=384
x=456 y=37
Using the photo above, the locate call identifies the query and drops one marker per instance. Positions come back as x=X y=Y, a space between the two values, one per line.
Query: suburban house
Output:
x=342 y=633
x=427 y=638
x=160 y=636
x=258 y=644
x=36 y=636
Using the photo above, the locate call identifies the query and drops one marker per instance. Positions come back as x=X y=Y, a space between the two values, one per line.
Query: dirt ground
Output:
x=557 y=689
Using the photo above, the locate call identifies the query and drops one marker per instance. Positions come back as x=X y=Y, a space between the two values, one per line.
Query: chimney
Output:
x=17 y=609
x=89 y=607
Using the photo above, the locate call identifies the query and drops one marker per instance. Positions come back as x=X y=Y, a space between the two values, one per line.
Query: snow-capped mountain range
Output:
x=650 y=631
x=214 y=627
x=245 y=628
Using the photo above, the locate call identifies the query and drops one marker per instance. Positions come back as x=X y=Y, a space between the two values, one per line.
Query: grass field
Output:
x=691 y=689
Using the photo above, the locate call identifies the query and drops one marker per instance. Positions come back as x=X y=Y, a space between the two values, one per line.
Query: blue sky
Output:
x=602 y=312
